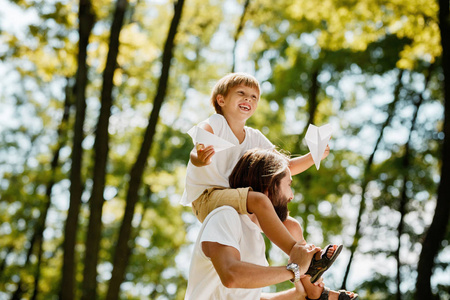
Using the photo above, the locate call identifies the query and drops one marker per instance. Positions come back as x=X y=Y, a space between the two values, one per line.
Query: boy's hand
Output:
x=204 y=155
x=327 y=151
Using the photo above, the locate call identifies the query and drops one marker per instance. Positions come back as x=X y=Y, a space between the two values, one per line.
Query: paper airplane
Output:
x=317 y=139
x=201 y=136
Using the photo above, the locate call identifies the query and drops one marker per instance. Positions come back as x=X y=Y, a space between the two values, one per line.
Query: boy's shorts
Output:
x=215 y=197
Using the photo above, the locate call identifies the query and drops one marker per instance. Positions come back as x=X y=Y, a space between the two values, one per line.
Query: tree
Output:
x=122 y=252
x=439 y=225
x=101 y=152
x=86 y=22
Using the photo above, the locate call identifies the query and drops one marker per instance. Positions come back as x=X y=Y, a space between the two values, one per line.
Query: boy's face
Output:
x=241 y=102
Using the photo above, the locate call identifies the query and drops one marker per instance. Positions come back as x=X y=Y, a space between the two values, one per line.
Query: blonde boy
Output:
x=235 y=98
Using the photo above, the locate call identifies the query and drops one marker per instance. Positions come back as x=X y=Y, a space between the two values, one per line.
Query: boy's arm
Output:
x=299 y=164
x=201 y=156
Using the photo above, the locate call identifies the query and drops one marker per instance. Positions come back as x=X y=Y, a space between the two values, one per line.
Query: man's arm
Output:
x=235 y=273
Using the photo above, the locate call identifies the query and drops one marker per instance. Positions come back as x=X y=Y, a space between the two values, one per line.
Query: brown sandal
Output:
x=342 y=295
x=318 y=267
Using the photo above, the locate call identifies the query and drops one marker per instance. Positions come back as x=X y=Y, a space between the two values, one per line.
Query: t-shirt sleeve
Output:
x=224 y=228
x=217 y=123
x=262 y=141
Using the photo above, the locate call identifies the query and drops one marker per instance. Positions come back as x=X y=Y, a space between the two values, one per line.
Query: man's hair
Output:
x=260 y=169
x=229 y=81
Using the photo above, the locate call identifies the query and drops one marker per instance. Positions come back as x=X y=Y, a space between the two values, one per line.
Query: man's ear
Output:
x=220 y=100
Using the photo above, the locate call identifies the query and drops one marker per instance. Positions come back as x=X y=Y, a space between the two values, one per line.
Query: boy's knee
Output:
x=293 y=226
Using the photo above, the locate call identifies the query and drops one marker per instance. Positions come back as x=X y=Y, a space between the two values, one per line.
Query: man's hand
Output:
x=204 y=155
x=302 y=254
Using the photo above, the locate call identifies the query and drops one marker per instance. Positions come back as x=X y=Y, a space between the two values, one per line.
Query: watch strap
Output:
x=295 y=269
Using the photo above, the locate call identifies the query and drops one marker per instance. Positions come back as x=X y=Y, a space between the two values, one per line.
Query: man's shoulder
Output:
x=223 y=212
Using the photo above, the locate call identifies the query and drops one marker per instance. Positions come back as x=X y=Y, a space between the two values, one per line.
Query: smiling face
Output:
x=240 y=102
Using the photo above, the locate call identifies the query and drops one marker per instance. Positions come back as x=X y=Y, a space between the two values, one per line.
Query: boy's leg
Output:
x=215 y=197
x=294 y=228
x=273 y=228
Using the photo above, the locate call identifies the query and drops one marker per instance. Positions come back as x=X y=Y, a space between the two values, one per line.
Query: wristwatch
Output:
x=295 y=269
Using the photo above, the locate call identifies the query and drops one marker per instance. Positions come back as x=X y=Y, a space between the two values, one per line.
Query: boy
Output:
x=235 y=98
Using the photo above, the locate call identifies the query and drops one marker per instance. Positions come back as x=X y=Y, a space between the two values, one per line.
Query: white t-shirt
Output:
x=224 y=226
x=216 y=174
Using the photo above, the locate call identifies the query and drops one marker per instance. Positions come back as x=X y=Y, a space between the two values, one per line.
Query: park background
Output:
x=96 y=98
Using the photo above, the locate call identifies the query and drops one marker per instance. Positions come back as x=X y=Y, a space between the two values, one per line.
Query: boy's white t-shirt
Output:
x=216 y=174
x=224 y=226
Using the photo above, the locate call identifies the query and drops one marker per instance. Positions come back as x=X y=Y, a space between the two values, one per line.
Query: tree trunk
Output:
x=366 y=178
x=37 y=237
x=121 y=256
x=101 y=149
x=238 y=33
x=312 y=109
x=67 y=287
x=403 y=201
x=39 y=233
x=437 y=230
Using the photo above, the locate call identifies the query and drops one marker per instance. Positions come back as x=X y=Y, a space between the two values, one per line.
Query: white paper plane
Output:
x=317 y=139
x=201 y=136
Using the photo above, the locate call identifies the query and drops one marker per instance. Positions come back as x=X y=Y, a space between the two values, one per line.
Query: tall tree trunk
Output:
x=86 y=20
x=37 y=236
x=62 y=140
x=312 y=109
x=121 y=256
x=403 y=196
x=238 y=33
x=437 y=230
x=101 y=149
x=366 y=177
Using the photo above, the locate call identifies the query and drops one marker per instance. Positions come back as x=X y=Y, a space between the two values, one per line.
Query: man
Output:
x=229 y=260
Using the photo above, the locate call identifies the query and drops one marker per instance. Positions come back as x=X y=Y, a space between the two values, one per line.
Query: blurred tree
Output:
x=86 y=20
x=436 y=232
x=36 y=240
x=122 y=250
x=101 y=152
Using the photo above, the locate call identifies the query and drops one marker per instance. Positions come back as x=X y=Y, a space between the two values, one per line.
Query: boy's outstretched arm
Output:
x=299 y=164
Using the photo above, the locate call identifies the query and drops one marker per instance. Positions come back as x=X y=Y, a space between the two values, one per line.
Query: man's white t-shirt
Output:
x=216 y=174
x=224 y=226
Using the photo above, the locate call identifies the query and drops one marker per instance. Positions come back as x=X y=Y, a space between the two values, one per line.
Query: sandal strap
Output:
x=323 y=296
x=325 y=292
x=344 y=296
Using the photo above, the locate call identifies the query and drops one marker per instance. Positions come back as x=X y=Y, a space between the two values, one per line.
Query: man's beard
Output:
x=281 y=207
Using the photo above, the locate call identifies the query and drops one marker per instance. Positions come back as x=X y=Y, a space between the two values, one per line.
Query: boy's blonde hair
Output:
x=229 y=81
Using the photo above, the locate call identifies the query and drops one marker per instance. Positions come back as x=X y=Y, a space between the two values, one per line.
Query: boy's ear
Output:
x=220 y=100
